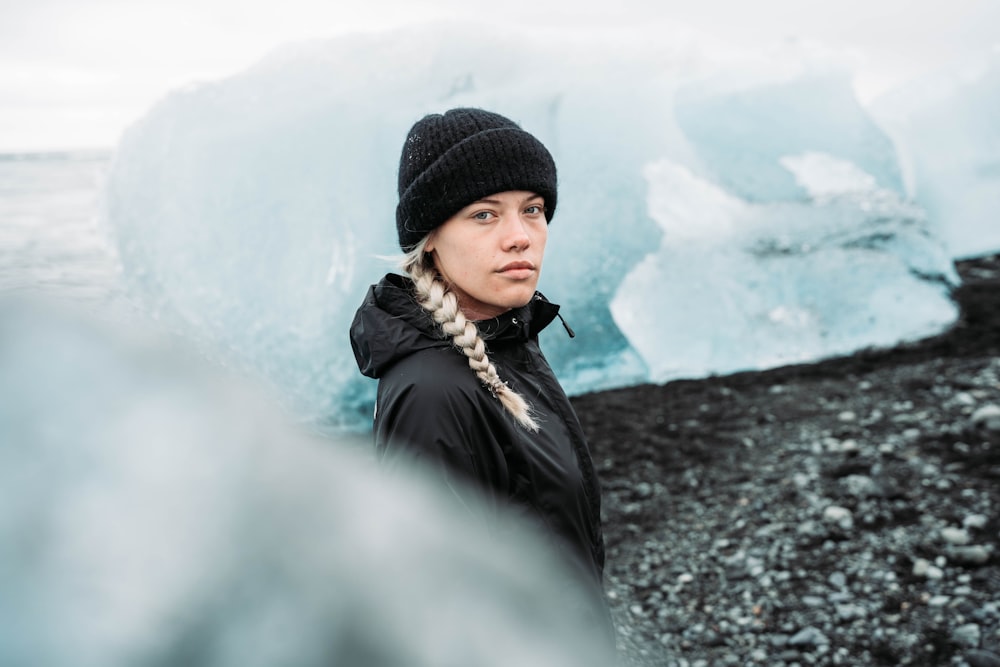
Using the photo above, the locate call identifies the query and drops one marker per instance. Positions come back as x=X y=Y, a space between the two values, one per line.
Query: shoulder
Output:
x=431 y=407
x=431 y=377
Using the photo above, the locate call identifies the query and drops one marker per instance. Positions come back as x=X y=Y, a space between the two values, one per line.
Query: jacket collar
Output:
x=390 y=324
x=520 y=323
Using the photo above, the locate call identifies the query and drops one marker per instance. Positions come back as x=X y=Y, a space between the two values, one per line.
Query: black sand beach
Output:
x=837 y=513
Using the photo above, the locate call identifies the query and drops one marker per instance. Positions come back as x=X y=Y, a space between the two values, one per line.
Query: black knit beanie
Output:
x=453 y=159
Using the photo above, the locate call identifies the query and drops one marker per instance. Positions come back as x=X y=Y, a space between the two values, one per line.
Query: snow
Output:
x=716 y=213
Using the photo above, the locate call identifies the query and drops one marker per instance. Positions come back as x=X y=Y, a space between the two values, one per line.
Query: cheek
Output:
x=542 y=237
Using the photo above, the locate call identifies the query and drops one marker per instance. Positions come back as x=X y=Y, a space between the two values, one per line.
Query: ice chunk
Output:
x=946 y=128
x=742 y=285
x=741 y=128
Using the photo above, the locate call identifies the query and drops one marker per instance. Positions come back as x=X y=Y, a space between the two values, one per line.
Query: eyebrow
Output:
x=487 y=200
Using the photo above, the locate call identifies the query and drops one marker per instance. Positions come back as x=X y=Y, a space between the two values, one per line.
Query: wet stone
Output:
x=982 y=658
x=840 y=516
x=956 y=536
x=987 y=417
x=849 y=612
x=971 y=555
x=809 y=636
x=966 y=635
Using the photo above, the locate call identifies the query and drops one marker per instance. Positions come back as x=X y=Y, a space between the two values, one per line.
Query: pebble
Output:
x=837 y=579
x=956 y=536
x=987 y=416
x=840 y=516
x=811 y=636
x=974 y=521
x=981 y=658
x=810 y=528
x=975 y=554
x=923 y=568
x=848 y=612
x=967 y=635
x=860 y=486
x=964 y=398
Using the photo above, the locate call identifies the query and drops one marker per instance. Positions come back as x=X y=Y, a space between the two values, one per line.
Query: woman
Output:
x=463 y=386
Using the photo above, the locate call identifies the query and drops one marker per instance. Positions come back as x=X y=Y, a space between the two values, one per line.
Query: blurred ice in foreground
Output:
x=152 y=513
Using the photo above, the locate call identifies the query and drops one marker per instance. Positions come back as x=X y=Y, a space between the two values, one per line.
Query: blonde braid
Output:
x=442 y=304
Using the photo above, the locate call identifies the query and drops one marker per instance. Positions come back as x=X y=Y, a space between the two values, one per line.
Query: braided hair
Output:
x=435 y=297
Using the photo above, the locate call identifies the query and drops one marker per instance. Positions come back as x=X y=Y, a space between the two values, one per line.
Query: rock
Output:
x=987 y=417
x=967 y=635
x=956 y=536
x=837 y=579
x=810 y=528
x=849 y=612
x=923 y=568
x=974 y=521
x=840 y=516
x=964 y=398
x=975 y=554
x=811 y=636
x=860 y=486
x=982 y=658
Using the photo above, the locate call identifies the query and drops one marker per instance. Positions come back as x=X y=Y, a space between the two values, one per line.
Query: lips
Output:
x=519 y=270
x=518 y=266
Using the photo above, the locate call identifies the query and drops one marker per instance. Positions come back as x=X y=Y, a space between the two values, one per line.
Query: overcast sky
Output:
x=74 y=73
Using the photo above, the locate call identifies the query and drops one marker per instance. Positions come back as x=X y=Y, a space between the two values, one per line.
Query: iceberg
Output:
x=742 y=285
x=945 y=124
x=251 y=213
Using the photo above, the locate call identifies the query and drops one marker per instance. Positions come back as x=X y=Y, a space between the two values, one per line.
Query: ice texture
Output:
x=711 y=218
x=784 y=282
x=155 y=512
x=946 y=126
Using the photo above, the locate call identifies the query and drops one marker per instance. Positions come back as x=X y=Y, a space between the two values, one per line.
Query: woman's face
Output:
x=490 y=252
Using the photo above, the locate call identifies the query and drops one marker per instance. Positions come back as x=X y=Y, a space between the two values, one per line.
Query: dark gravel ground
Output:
x=837 y=513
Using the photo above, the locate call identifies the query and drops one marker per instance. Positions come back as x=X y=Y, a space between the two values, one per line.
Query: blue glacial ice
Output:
x=711 y=218
x=851 y=267
x=156 y=512
x=945 y=124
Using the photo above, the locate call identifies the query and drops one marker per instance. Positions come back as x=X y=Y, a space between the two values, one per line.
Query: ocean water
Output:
x=52 y=242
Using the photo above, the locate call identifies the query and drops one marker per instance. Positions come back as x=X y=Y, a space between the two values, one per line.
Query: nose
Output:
x=516 y=234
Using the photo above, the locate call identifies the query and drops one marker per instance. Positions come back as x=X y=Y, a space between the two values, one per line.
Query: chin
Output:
x=521 y=298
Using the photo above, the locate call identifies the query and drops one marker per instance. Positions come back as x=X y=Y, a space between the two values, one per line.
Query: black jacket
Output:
x=431 y=406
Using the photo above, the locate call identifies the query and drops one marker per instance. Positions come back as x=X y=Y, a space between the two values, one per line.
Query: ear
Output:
x=429 y=245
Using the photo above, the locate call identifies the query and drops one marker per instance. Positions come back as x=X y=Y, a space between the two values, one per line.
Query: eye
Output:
x=535 y=209
x=482 y=216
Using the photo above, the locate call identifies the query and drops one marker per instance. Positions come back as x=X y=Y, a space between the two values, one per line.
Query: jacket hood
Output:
x=390 y=325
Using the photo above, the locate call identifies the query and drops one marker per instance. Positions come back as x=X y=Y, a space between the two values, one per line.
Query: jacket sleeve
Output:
x=444 y=429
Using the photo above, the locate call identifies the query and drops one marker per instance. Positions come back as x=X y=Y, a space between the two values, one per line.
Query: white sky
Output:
x=74 y=73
